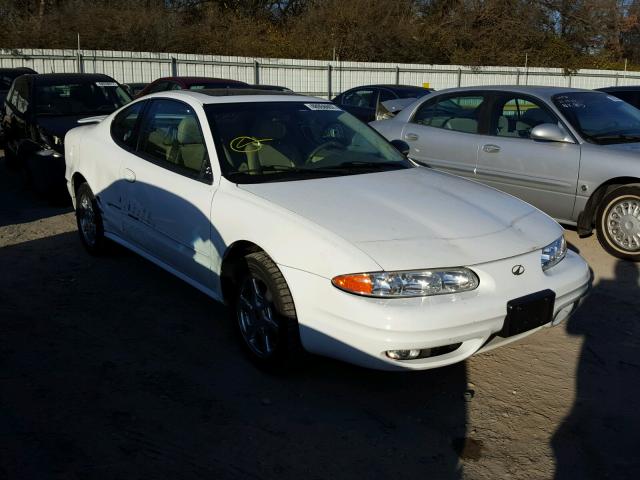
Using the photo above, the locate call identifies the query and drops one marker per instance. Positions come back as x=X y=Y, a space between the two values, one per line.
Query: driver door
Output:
x=545 y=174
x=168 y=191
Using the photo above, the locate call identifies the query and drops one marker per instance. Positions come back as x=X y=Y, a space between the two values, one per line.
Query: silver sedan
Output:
x=575 y=154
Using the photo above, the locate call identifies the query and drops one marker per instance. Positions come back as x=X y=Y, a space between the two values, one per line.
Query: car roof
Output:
x=542 y=91
x=393 y=86
x=190 y=80
x=620 y=89
x=262 y=86
x=52 y=78
x=17 y=70
x=235 y=95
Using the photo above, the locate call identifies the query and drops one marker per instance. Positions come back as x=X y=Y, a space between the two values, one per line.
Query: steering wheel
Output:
x=322 y=146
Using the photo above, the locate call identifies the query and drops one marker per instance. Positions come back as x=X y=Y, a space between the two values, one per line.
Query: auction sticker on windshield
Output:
x=322 y=106
x=106 y=84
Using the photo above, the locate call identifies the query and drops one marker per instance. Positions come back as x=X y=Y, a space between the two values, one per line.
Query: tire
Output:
x=618 y=222
x=89 y=221
x=266 y=322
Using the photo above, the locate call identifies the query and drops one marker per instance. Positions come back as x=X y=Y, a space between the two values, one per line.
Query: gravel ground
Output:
x=111 y=368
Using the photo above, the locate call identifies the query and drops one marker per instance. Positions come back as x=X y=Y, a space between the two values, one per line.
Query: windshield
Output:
x=81 y=98
x=279 y=141
x=600 y=118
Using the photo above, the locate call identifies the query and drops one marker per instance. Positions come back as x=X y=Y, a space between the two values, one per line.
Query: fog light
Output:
x=402 y=354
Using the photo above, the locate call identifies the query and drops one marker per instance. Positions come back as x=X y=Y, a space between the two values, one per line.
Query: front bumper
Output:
x=47 y=171
x=360 y=330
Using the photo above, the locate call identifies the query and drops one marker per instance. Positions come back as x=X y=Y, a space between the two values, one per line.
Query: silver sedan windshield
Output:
x=600 y=118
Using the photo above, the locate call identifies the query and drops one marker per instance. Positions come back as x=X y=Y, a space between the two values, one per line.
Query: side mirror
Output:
x=401 y=146
x=549 y=132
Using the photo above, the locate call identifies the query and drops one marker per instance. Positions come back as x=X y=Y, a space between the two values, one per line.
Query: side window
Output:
x=360 y=98
x=386 y=95
x=20 y=98
x=461 y=113
x=516 y=117
x=172 y=138
x=159 y=87
x=174 y=86
x=123 y=127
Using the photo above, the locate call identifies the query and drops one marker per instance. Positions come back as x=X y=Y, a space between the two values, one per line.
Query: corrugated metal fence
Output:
x=312 y=77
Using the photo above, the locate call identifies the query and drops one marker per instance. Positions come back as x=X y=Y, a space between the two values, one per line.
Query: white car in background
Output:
x=317 y=232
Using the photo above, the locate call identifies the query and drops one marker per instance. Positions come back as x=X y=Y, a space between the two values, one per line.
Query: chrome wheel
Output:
x=256 y=317
x=87 y=220
x=623 y=223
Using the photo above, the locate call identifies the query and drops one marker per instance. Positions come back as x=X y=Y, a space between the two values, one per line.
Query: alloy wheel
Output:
x=256 y=317
x=87 y=220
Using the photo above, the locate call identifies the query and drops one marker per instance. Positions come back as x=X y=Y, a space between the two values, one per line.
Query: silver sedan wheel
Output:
x=256 y=317
x=87 y=220
x=623 y=223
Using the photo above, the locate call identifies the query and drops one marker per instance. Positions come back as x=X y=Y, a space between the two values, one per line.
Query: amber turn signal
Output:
x=359 y=283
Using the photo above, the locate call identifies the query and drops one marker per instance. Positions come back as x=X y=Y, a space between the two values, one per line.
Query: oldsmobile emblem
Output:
x=517 y=270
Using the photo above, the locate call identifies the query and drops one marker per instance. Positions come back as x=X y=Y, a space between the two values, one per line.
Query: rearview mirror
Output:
x=401 y=146
x=549 y=132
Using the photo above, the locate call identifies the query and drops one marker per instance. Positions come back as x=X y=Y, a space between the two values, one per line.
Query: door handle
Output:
x=412 y=137
x=129 y=175
x=491 y=148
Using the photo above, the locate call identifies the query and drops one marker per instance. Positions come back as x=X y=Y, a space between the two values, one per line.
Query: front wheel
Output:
x=89 y=221
x=618 y=222
x=265 y=314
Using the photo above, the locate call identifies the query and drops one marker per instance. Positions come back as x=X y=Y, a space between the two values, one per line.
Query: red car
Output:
x=189 y=83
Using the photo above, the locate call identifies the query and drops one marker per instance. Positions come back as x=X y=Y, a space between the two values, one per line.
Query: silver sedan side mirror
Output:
x=549 y=132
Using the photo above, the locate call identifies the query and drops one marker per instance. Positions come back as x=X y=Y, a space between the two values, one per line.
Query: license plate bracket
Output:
x=528 y=312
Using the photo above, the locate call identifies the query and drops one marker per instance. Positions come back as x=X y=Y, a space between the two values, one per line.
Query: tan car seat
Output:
x=189 y=150
x=270 y=149
x=468 y=125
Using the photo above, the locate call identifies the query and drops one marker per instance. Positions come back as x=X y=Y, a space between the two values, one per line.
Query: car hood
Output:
x=416 y=218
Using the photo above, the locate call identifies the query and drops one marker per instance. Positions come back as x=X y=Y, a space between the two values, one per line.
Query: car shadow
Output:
x=113 y=368
x=20 y=204
x=598 y=439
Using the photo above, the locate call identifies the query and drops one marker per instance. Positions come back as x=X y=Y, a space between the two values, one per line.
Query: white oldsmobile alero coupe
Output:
x=317 y=232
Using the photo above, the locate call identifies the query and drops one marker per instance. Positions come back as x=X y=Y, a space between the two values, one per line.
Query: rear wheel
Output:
x=89 y=221
x=265 y=314
x=618 y=222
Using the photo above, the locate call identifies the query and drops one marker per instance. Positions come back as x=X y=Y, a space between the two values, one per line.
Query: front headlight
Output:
x=412 y=283
x=553 y=253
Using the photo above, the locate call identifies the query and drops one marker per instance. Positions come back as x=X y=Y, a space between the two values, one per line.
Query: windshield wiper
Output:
x=351 y=166
x=616 y=136
x=343 y=168
x=273 y=169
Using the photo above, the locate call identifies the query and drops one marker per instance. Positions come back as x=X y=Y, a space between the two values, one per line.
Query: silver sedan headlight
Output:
x=412 y=283
x=553 y=253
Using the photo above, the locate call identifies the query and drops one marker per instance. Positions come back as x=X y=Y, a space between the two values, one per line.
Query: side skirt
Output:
x=207 y=291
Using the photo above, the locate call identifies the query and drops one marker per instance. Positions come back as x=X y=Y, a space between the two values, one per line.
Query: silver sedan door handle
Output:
x=412 y=137
x=490 y=148
x=129 y=175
